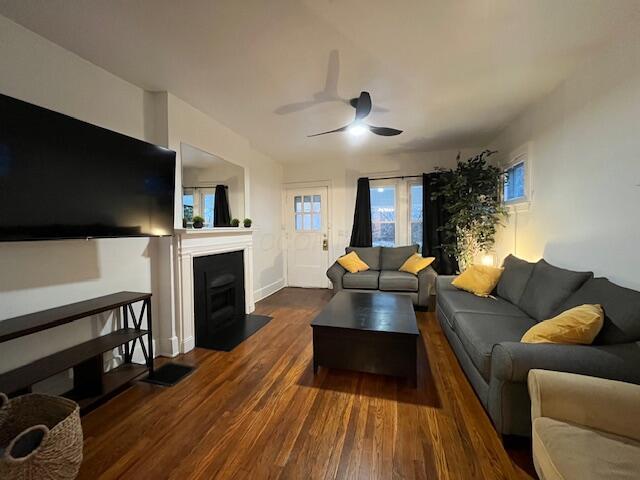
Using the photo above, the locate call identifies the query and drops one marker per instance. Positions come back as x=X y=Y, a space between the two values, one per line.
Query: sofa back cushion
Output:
x=621 y=310
x=369 y=255
x=392 y=258
x=548 y=288
x=514 y=279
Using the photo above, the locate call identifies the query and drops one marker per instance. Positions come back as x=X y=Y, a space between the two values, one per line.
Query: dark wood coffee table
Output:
x=367 y=332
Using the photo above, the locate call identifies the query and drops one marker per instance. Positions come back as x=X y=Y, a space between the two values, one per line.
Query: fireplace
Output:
x=218 y=295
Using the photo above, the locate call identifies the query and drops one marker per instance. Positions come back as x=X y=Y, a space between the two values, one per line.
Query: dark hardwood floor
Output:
x=258 y=412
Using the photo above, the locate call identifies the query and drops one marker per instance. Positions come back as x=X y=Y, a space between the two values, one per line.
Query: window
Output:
x=415 y=215
x=307 y=211
x=383 y=215
x=396 y=213
x=198 y=201
x=515 y=184
x=187 y=207
x=208 y=201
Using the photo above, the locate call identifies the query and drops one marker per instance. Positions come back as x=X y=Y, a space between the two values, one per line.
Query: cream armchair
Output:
x=583 y=427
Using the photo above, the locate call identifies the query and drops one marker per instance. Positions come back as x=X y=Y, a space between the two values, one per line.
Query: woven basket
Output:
x=54 y=423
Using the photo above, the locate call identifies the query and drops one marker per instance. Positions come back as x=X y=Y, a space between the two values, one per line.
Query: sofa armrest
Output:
x=426 y=285
x=511 y=361
x=605 y=405
x=335 y=274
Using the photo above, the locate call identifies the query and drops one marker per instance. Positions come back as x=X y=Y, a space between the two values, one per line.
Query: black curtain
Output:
x=221 y=214
x=361 y=233
x=434 y=216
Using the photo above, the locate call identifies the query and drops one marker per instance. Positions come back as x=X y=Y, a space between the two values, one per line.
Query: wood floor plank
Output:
x=259 y=412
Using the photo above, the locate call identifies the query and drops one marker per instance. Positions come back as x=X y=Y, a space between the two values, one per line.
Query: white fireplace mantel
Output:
x=190 y=243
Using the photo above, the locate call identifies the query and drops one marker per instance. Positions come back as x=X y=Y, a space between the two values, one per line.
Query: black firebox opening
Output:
x=218 y=294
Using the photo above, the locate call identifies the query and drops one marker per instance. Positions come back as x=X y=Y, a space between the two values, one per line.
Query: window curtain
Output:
x=361 y=233
x=434 y=216
x=221 y=213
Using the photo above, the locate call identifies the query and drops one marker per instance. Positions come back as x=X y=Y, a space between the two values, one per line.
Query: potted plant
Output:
x=247 y=223
x=198 y=222
x=471 y=193
x=235 y=222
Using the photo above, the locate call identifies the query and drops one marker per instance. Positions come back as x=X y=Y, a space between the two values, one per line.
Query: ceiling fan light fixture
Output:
x=357 y=129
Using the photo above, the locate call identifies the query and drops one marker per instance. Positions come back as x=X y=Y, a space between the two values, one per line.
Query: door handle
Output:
x=325 y=244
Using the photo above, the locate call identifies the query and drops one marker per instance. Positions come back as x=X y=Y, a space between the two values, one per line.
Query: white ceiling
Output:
x=451 y=74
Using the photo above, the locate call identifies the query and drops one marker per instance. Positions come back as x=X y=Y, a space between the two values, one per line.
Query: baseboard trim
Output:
x=267 y=290
x=169 y=347
x=188 y=344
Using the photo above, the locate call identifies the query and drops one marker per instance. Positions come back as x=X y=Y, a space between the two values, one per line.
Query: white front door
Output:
x=307 y=242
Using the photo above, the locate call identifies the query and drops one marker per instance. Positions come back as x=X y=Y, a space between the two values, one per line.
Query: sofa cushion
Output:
x=514 y=279
x=480 y=280
x=548 y=288
x=577 y=326
x=391 y=281
x=392 y=258
x=564 y=450
x=452 y=301
x=369 y=255
x=621 y=310
x=352 y=263
x=366 y=280
x=479 y=332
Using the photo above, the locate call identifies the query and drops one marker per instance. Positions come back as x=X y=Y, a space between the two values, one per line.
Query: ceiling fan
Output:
x=362 y=104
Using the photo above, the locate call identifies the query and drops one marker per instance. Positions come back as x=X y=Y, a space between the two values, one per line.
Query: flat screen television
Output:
x=63 y=178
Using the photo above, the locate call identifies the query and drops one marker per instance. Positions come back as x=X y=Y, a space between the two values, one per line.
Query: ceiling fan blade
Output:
x=363 y=107
x=341 y=129
x=384 y=131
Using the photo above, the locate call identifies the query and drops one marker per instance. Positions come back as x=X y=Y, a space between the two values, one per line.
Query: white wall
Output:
x=585 y=154
x=343 y=174
x=262 y=186
x=39 y=275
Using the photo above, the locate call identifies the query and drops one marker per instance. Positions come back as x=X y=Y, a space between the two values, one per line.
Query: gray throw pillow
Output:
x=548 y=288
x=392 y=258
x=621 y=310
x=369 y=255
x=514 y=279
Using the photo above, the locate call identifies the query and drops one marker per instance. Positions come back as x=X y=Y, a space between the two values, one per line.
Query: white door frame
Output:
x=328 y=184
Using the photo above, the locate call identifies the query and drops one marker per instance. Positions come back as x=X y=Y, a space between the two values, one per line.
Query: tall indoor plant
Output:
x=472 y=200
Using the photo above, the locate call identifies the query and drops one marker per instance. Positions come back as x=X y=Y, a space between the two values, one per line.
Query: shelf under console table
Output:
x=91 y=383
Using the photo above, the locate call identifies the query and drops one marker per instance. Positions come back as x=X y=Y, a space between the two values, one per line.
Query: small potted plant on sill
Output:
x=198 y=222
x=235 y=222
x=247 y=223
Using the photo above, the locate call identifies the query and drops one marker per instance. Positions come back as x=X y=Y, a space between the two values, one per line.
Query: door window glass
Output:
x=307 y=211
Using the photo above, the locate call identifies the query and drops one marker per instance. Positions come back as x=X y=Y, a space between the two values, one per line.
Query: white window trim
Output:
x=520 y=155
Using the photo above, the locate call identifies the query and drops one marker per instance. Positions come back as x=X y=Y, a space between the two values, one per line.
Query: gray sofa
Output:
x=485 y=334
x=383 y=274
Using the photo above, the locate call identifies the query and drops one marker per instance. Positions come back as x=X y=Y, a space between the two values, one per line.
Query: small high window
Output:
x=515 y=186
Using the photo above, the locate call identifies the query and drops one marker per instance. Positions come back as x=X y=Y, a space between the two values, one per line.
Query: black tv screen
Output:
x=64 y=178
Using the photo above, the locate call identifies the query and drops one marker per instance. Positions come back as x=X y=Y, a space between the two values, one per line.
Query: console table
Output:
x=90 y=382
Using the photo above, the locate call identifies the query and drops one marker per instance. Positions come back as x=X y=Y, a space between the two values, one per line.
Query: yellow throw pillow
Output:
x=352 y=263
x=415 y=263
x=478 y=279
x=578 y=325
